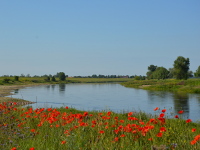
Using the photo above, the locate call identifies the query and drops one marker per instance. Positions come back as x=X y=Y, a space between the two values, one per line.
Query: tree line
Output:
x=179 y=71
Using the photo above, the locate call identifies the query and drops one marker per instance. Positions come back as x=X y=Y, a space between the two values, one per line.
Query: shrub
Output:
x=6 y=80
x=16 y=78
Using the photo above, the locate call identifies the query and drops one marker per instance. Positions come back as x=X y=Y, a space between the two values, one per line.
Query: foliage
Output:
x=62 y=76
x=187 y=86
x=197 y=73
x=181 y=68
x=16 y=78
x=47 y=79
x=137 y=78
x=151 y=69
x=160 y=73
x=53 y=79
x=6 y=80
x=67 y=128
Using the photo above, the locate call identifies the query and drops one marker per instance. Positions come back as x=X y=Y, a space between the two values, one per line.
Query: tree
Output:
x=53 y=79
x=171 y=73
x=160 y=73
x=190 y=74
x=47 y=79
x=137 y=78
x=197 y=73
x=181 y=67
x=16 y=78
x=151 y=69
x=62 y=76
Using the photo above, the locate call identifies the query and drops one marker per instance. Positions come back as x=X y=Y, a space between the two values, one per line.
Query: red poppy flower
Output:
x=123 y=135
x=162 y=115
x=159 y=134
x=32 y=130
x=156 y=108
x=122 y=121
x=129 y=114
x=66 y=107
x=162 y=129
x=193 y=129
x=109 y=113
x=150 y=139
x=116 y=139
x=14 y=148
x=193 y=142
x=32 y=148
x=63 y=142
x=101 y=131
x=164 y=110
x=189 y=120
x=176 y=116
x=180 y=112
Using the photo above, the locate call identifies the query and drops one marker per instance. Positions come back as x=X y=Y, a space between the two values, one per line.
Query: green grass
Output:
x=68 y=128
x=188 y=86
x=34 y=80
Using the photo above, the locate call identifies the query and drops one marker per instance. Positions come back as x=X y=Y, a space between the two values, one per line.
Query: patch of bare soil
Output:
x=142 y=86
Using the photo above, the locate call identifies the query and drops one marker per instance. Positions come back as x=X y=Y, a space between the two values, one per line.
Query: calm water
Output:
x=110 y=97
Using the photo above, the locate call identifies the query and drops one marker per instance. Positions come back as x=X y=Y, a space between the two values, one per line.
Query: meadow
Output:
x=24 y=128
x=43 y=80
x=186 y=86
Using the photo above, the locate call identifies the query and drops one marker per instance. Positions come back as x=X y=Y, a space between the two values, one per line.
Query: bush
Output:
x=6 y=80
x=53 y=79
x=16 y=78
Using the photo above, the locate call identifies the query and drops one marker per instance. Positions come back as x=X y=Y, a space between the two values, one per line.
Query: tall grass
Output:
x=68 y=128
x=33 y=80
x=188 y=86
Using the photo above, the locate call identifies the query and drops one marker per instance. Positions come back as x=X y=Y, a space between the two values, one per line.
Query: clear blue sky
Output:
x=85 y=37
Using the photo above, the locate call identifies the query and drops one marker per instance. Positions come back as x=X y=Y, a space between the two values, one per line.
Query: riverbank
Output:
x=6 y=90
x=68 y=128
x=172 y=85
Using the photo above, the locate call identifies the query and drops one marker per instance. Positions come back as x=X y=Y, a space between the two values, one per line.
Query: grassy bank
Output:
x=188 y=86
x=68 y=128
x=39 y=80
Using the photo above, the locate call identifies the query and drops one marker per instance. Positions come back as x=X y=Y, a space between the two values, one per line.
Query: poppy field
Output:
x=24 y=128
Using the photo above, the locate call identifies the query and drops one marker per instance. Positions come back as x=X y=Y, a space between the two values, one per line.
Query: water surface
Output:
x=111 y=96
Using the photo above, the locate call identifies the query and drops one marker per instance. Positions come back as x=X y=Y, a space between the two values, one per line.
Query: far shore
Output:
x=5 y=90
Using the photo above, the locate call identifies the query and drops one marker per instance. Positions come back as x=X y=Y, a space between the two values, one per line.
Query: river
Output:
x=112 y=96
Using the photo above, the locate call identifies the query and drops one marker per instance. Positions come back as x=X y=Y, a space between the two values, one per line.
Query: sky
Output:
x=86 y=37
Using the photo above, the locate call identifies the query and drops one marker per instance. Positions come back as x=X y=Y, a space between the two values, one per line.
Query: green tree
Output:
x=160 y=73
x=190 y=74
x=171 y=72
x=47 y=79
x=197 y=73
x=53 y=79
x=137 y=78
x=62 y=76
x=16 y=78
x=151 y=69
x=181 y=67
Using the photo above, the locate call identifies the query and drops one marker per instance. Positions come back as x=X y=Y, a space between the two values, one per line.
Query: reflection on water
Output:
x=181 y=102
x=16 y=91
x=111 y=96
